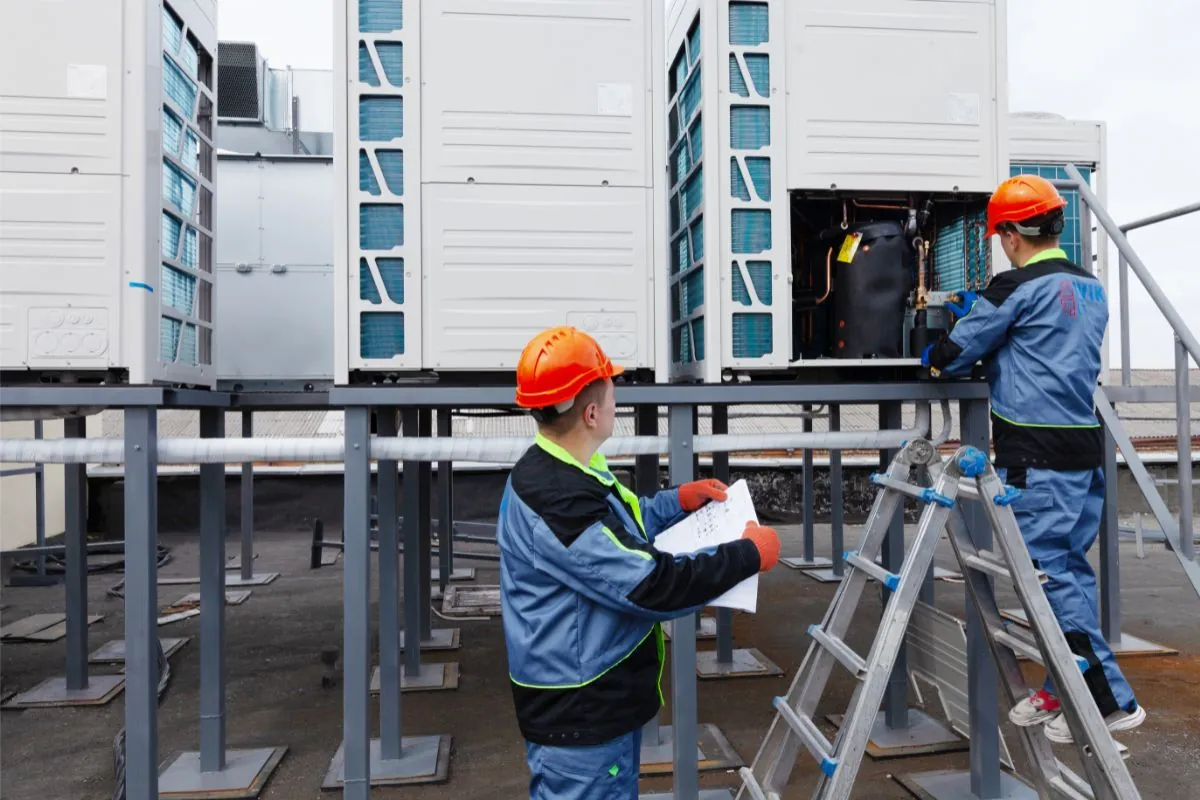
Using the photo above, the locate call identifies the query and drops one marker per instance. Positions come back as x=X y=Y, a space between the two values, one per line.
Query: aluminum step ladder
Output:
x=967 y=474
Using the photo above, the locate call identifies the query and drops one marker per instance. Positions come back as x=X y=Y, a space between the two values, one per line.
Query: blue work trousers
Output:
x=1059 y=513
x=606 y=771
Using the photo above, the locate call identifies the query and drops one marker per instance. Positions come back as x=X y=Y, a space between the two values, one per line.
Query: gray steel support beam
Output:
x=836 y=500
x=720 y=463
x=895 y=701
x=411 y=486
x=212 y=600
x=1110 y=549
x=247 y=570
x=445 y=491
x=141 y=603
x=810 y=499
x=981 y=669
x=646 y=481
x=683 y=630
x=386 y=493
x=75 y=491
x=356 y=646
x=1187 y=546
x=425 y=477
x=39 y=499
x=1126 y=348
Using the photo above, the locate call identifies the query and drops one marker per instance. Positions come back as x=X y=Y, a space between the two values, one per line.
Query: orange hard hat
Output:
x=1021 y=198
x=557 y=364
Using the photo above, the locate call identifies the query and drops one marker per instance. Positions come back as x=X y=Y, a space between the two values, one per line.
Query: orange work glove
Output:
x=697 y=493
x=767 y=542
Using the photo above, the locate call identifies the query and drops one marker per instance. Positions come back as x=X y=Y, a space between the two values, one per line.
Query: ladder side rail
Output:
x=1097 y=749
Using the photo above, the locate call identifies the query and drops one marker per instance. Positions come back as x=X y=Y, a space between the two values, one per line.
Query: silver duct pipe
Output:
x=502 y=450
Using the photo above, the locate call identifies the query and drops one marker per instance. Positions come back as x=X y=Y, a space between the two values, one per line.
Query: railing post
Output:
x=684 y=718
x=1126 y=368
x=1110 y=548
x=1183 y=427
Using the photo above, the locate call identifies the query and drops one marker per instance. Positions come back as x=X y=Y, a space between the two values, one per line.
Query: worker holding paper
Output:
x=582 y=587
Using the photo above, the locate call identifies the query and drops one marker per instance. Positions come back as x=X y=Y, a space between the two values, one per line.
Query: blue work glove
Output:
x=963 y=307
x=925 y=355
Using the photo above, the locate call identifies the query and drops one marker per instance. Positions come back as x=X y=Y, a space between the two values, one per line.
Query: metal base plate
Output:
x=113 y=652
x=434 y=677
x=232 y=598
x=705 y=794
x=799 y=562
x=456 y=574
x=466 y=601
x=956 y=785
x=257 y=579
x=246 y=773
x=746 y=663
x=1128 y=646
x=439 y=639
x=923 y=736
x=423 y=759
x=713 y=752
x=40 y=628
x=707 y=629
x=53 y=692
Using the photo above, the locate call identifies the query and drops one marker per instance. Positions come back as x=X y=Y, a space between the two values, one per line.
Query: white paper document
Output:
x=714 y=524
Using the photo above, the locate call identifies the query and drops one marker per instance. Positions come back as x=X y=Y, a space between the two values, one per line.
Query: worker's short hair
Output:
x=1043 y=230
x=562 y=422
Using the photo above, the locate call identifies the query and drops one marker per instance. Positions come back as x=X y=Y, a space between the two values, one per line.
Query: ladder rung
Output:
x=889 y=579
x=988 y=562
x=810 y=734
x=751 y=784
x=1029 y=650
x=839 y=650
x=923 y=493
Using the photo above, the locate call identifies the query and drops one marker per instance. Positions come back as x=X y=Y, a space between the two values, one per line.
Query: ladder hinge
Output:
x=972 y=462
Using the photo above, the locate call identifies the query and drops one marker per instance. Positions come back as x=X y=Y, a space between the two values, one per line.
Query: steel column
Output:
x=720 y=462
x=1187 y=547
x=981 y=669
x=39 y=499
x=212 y=600
x=683 y=629
x=75 y=490
x=425 y=521
x=445 y=484
x=357 y=604
x=895 y=701
x=646 y=481
x=386 y=491
x=141 y=603
x=1110 y=549
x=810 y=500
x=836 y=499
x=411 y=486
x=247 y=503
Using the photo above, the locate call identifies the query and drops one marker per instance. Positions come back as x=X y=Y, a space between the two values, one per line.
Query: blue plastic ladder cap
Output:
x=1082 y=662
x=972 y=462
x=778 y=702
x=930 y=496
x=829 y=766
x=812 y=628
x=893 y=580
x=876 y=477
x=1011 y=493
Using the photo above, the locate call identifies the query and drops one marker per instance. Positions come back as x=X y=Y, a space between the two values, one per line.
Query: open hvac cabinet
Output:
x=830 y=164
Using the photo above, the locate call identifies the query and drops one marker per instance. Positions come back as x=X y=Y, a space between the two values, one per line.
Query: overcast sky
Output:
x=1085 y=59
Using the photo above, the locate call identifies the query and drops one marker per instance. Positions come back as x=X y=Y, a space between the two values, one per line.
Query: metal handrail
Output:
x=1186 y=346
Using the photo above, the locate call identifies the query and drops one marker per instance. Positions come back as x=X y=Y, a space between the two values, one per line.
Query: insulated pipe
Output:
x=504 y=450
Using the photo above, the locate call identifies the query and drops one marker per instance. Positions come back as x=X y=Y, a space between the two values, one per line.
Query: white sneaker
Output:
x=1039 y=707
x=1059 y=732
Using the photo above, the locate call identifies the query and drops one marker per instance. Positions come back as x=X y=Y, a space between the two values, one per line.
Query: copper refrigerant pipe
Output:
x=828 y=276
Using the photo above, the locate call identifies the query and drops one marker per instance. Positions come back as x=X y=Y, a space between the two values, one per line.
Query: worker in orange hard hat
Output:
x=1040 y=329
x=583 y=589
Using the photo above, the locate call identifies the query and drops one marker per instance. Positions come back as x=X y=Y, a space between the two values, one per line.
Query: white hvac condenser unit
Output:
x=106 y=191
x=830 y=164
x=503 y=173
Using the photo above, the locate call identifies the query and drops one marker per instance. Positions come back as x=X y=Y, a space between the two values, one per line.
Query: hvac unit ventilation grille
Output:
x=239 y=78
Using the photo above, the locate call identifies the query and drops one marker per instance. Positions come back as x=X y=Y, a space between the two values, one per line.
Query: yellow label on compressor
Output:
x=849 y=247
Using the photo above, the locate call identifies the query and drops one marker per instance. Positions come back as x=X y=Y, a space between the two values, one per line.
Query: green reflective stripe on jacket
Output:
x=1046 y=255
x=598 y=469
x=661 y=652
